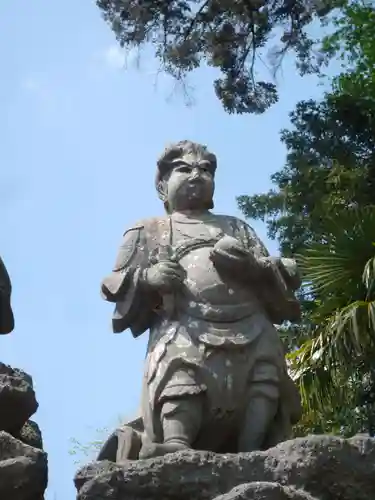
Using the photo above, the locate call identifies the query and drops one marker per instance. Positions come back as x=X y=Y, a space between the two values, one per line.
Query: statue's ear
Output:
x=161 y=188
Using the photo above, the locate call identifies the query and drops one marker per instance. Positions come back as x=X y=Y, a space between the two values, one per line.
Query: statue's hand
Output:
x=231 y=246
x=230 y=252
x=164 y=277
x=230 y=255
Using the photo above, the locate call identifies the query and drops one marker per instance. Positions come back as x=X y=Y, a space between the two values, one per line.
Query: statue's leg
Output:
x=181 y=420
x=262 y=406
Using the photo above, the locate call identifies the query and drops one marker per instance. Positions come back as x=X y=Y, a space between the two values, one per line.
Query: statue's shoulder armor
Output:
x=135 y=228
x=140 y=238
x=144 y=226
x=131 y=240
x=154 y=228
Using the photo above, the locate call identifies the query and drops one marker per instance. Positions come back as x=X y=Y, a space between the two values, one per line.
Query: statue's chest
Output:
x=183 y=232
x=192 y=245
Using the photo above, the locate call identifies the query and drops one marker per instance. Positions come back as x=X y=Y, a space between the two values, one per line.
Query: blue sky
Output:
x=81 y=128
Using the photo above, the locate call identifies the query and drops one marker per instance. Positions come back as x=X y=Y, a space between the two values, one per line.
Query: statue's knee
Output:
x=172 y=407
x=181 y=418
x=190 y=406
x=265 y=381
x=268 y=391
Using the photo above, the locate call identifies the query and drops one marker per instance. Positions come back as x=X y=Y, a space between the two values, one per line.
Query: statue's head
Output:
x=185 y=177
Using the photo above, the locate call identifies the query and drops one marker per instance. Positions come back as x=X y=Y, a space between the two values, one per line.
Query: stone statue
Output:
x=6 y=313
x=209 y=293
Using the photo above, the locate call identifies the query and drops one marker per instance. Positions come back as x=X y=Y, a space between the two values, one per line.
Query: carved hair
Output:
x=177 y=150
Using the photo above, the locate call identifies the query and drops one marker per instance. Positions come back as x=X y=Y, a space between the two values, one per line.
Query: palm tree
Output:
x=335 y=366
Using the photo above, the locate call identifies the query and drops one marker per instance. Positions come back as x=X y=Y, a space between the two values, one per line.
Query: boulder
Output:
x=23 y=470
x=17 y=399
x=31 y=434
x=310 y=468
x=23 y=464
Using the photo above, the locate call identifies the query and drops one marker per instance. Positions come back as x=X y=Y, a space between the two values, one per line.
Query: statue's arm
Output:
x=130 y=258
x=135 y=304
x=6 y=313
x=287 y=266
x=278 y=279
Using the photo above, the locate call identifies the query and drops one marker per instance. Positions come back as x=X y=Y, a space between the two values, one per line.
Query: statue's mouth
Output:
x=196 y=182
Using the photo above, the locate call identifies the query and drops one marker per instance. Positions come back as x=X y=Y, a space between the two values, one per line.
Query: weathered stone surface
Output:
x=311 y=468
x=265 y=491
x=17 y=398
x=31 y=434
x=23 y=470
x=209 y=293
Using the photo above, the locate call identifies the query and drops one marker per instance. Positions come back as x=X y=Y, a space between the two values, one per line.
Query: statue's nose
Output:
x=195 y=173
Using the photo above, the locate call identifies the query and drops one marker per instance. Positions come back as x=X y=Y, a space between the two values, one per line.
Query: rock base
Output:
x=17 y=398
x=23 y=470
x=23 y=463
x=311 y=468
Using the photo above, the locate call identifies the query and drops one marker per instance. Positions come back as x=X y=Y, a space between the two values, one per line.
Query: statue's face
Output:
x=190 y=183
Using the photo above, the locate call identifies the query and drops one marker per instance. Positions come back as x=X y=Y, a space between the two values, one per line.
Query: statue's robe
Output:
x=6 y=313
x=215 y=336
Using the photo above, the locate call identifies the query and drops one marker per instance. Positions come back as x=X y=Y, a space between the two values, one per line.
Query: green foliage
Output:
x=229 y=35
x=337 y=420
x=353 y=41
x=330 y=163
x=334 y=367
x=322 y=208
x=331 y=144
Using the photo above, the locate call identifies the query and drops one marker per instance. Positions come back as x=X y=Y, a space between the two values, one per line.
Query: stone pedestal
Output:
x=311 y=468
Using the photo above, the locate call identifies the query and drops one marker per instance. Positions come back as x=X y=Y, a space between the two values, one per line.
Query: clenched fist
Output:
x=229 y=253
x=164 y=277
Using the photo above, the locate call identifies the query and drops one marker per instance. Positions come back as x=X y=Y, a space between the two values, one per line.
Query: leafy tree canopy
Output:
x=229 y=35
x=353 y=42
x=322 y=208
x=330 y=164
x=330 y=160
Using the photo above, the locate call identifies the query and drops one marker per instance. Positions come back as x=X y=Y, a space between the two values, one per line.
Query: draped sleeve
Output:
x=134 y=304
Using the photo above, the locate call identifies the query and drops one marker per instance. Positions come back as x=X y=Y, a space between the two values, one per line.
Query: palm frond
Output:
x=368 y=276
x=339 y=279
x=331 y=269
x=316 y=383
x=341 y=343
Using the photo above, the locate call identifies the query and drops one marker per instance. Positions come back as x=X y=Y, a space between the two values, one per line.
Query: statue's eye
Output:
x=185 y=169
x=205 y=167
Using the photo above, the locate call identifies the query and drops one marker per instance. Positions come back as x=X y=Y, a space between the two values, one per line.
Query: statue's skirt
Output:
x=227 y=364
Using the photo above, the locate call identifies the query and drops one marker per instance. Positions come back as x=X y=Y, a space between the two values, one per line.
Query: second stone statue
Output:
x=207 y=290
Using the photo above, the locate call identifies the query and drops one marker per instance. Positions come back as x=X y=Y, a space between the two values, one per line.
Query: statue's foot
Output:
x=150 y=450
